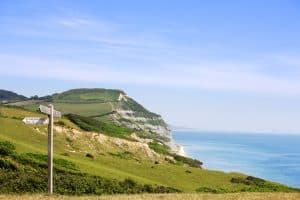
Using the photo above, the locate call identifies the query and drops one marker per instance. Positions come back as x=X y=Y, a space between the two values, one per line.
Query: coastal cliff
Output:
x=109 y=106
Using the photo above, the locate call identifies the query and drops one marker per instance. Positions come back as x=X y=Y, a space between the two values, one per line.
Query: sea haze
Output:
x=269 y=156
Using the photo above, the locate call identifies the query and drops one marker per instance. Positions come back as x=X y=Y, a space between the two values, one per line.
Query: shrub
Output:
x=6 y=148
x=8 y=164
x=213 y=190
x=159 y=148
x=189 y=161
x=249 y=180
x=88 y=155
x=90 y=124
x=60 y=123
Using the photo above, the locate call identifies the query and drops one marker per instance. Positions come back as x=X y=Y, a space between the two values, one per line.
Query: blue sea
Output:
x=272 y=157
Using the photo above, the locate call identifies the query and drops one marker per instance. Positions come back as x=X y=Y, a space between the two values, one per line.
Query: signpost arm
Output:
x=50 y=151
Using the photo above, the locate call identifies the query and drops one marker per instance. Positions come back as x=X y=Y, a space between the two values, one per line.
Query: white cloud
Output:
x=76 y=22
x=221 y=77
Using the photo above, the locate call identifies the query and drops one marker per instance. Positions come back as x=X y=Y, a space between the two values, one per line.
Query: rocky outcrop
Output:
x=96 y=143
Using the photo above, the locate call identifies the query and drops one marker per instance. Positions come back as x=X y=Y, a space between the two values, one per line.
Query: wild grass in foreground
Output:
x=235 y=196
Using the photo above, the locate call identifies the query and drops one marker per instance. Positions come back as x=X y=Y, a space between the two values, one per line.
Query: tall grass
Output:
x=237 y=196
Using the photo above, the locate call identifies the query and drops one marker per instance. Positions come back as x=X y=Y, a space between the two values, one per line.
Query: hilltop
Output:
x=104 y=105
x=108 y=106
x=8 y=96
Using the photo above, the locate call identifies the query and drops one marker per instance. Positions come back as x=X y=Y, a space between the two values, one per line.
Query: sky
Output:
x=231 y=66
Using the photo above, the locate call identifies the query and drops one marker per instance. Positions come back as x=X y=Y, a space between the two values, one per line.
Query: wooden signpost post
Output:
x=51 y=114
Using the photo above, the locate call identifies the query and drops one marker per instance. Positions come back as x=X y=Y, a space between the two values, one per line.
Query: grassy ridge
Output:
x=95 y=103
x=87 y=96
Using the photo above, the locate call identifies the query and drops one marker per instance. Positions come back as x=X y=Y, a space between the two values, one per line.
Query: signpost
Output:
x=35 y=120
x=51 y=114
x=47 y=110
x=39 y=120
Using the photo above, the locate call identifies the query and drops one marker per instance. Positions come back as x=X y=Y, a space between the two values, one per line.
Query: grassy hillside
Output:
x=236 y=196
x=117 y=159
x=106 y=105
x=8 y=96
x=91 y=102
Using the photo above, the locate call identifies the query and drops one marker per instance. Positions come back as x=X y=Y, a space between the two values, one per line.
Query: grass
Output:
x=87 y=95
x=27 y=172
x=89 y=124
x=84 y=109
x=95 y=103
x=117 y=166
x=236 y=196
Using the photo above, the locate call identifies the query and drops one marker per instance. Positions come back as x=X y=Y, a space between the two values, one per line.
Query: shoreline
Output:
x=176 y=148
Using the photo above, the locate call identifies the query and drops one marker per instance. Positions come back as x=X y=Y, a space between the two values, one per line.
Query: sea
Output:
x=274 y=157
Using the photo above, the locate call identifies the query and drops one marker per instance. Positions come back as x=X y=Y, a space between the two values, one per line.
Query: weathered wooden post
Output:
x=51 y=114
x=50 y=151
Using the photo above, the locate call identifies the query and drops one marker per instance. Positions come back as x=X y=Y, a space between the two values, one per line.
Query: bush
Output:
x=159 y=148
x=8 y=164
x=213 y=190
x=249 y=180
x=6 y=148
x=189 y=161
x=91 y=156
x=60 y=123
x=253 y=184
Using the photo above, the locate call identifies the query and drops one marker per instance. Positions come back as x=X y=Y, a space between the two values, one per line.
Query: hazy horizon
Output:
x=222 y=66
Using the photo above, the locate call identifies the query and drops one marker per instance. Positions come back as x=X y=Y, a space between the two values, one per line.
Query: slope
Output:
x=116 y=158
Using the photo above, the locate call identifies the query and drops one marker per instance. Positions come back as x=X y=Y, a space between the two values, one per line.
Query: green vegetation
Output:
x=123 y=155
x=251 y=184
x=27 y=173
x=140 y=111
x=89 y=124
x=188 y=161
x=181 y=160
x=99 y=104
x=110 y=161
x=8 y=96
x=6 y=148
x=176 y=196
x=159 y=147
x=87 y=96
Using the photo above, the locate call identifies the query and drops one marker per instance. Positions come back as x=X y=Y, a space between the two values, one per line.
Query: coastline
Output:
x=176 y=148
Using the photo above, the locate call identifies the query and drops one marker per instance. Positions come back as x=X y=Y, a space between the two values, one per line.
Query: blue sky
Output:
x=210 y=65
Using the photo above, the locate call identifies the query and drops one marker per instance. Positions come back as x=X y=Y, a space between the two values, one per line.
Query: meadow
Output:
x=193 y=196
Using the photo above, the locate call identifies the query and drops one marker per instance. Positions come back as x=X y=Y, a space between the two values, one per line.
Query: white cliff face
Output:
x=152 y=123
x=135 y=120
x=123 y=97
